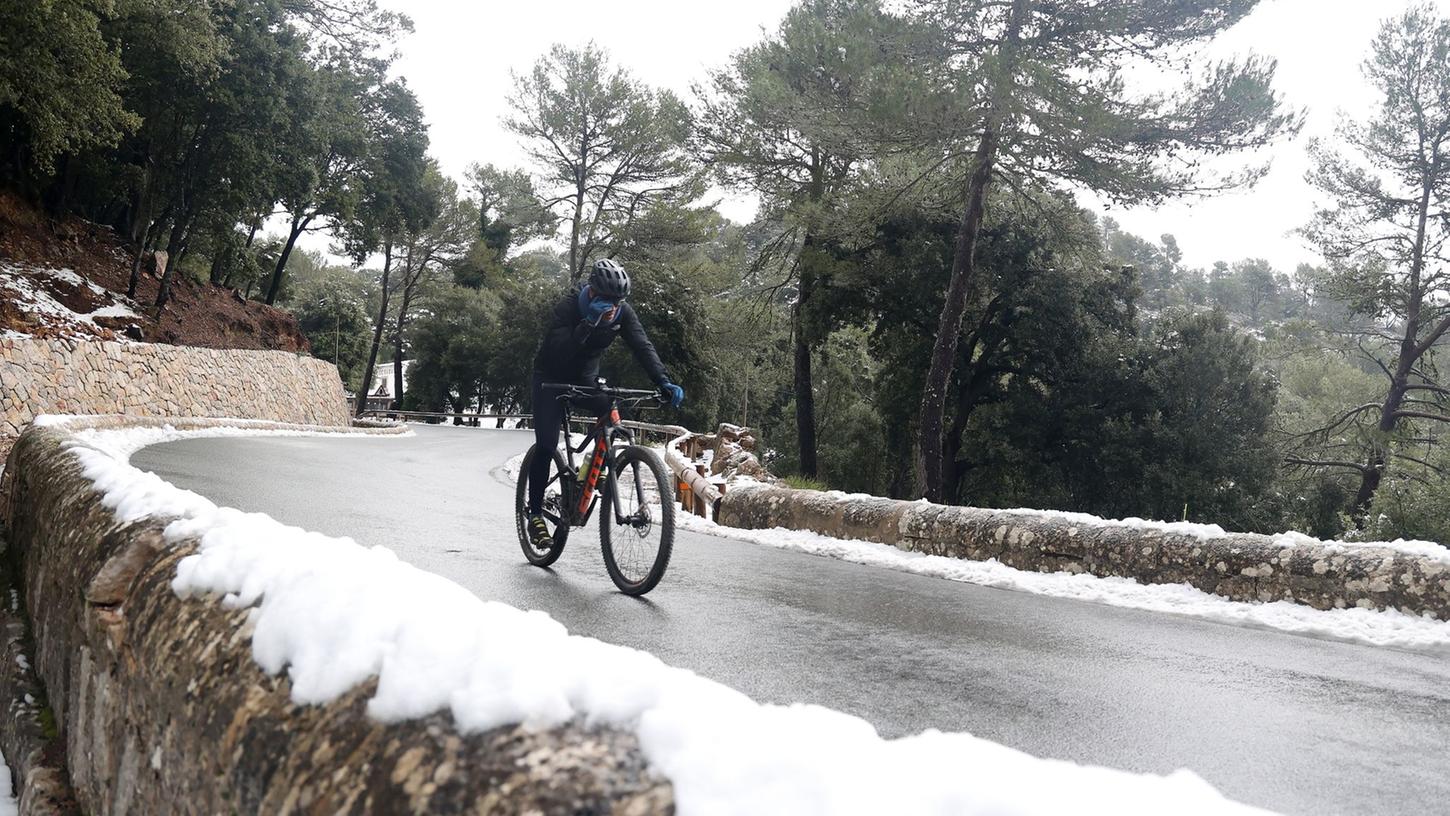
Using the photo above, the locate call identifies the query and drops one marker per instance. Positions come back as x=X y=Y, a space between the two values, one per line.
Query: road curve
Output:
x=1277 y=720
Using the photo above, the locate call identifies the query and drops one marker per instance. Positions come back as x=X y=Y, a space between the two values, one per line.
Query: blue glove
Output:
x=597 y=308
x=673 y=393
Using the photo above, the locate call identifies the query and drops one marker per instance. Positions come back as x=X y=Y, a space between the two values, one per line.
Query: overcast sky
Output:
x=459 y=58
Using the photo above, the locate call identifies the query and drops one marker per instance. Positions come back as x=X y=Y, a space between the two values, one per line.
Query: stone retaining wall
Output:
x=164 y=709
x=141 y=379
x=32 y=748
x=1239 y=566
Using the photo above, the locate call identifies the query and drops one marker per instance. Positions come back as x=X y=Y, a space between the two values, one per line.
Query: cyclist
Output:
x=585 y=323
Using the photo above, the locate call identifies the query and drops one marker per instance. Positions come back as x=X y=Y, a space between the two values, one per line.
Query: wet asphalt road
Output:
x=1277 y=720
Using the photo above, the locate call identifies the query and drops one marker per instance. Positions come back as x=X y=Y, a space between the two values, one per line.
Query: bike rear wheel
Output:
x=558 y=498
x=637 y=543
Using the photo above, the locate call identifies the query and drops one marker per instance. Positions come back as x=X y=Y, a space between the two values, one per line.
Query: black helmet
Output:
x=609 y=280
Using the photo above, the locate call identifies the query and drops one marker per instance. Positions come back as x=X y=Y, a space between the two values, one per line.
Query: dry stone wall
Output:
x=1238 y=566
x=164 y=709
x=40 y=376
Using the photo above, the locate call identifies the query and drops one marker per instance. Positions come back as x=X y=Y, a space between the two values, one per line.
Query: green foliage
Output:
x=1410 y=504
x=510 y=210
x=790 y=117
x=1382 y=232
x=331 y=309
x=1054 y=85
x=671 y=276
x=1057 y=401
x=852 y=433
x=607 y=147
x=60 y=81
x=1049 y=106
x=805 y=483
x=527 y=295
x=178 y=123
x=1093 y=371
x=453 y=350
x=1211 y=408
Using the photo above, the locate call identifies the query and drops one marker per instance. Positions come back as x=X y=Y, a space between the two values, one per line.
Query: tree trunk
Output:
x=1374 y=472
x=1410 y=354
x=411 y=277
x=398 y=350
x=221 y=256
x=805 y=395
x=949 y=326
x=367 y=375
x=185 y=249
x=576 y=270
x=298 y=226
x=141 y=249
x=147 y=236
x=952 y=465
x=63 y=187
x=218 y=267
x=252 y=233
x=174 y=248
x=136 y=270
x=231 y=270
x=964 y=262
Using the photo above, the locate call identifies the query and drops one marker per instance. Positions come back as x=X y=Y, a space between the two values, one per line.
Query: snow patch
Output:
x=69 y=276
x=1203 y=532
x=1387 y=628
x=8 y=805
x=332 y=613
x=1417 y=549
x=1188 y=528
x=27 y=296
x=110 y=311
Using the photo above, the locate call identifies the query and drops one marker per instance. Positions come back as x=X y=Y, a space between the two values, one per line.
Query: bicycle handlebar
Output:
x=570 y=389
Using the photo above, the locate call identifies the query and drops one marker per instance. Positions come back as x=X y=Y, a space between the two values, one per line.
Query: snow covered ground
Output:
x=332 y=613
x=34 y=290
x=1389 y=628
x=8 y=805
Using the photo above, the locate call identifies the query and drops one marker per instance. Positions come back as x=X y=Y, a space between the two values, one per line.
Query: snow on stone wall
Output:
x=140 y=379
x=209 y=660
x=164 y=709
x=1412 y=577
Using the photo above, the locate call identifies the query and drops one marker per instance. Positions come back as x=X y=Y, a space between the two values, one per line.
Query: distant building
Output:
x=383 y=392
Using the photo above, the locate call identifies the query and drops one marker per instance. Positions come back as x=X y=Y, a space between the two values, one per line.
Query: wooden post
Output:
x=715 y=509
x=699 y=505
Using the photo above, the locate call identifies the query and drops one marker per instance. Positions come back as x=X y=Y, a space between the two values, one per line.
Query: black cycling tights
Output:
x=548 y=411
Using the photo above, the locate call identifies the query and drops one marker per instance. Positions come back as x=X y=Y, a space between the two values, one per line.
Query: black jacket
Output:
x=572 y=348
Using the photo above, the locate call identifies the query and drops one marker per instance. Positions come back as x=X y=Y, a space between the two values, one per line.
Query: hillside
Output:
x=67 y=278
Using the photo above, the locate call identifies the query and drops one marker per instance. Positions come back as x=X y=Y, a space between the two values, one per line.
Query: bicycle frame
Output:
x=605 y=431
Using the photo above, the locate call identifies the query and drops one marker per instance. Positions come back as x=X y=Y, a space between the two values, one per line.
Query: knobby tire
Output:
x=559 y=521
x=630 y=579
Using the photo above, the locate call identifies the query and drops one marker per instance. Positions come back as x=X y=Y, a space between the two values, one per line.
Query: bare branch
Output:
x=1421 y=415
x=1325 y=430
x=1296 y=460
x=1408 y=458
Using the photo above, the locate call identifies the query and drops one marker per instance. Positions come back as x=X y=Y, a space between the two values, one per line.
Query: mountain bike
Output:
x=637 y=527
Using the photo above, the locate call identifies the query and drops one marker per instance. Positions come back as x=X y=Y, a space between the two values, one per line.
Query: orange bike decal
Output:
x=593 y=477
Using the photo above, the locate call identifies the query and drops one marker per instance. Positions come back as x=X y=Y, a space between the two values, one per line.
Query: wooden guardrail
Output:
x=693 y=487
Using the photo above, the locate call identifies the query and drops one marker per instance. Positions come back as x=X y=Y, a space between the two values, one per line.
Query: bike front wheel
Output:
x=558 y=494
x=637 y=525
